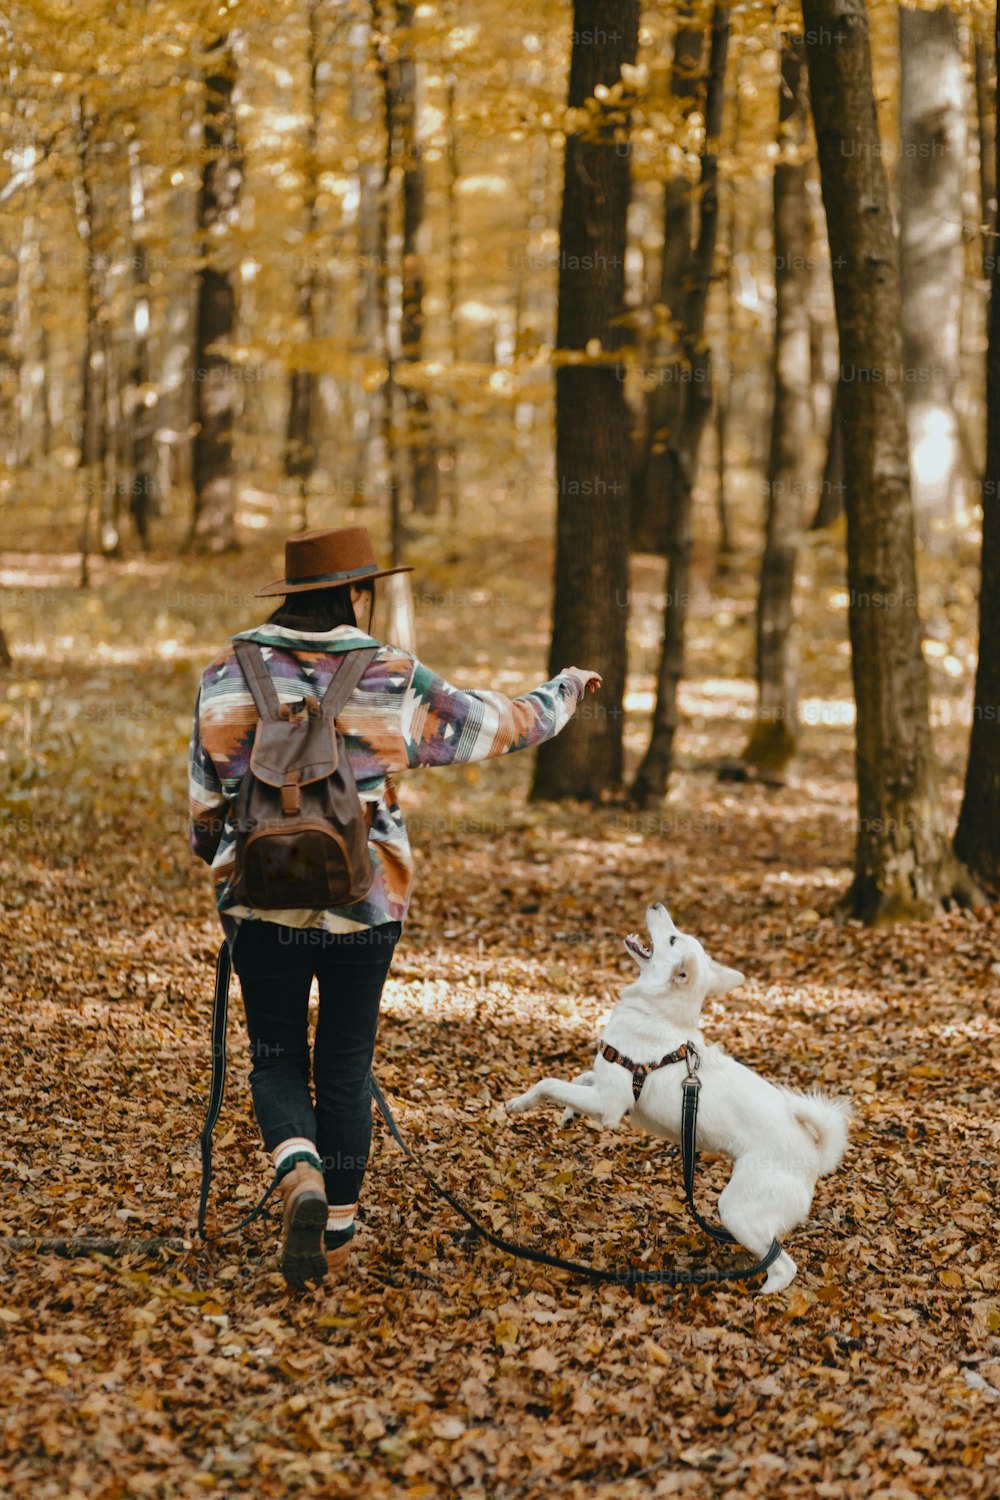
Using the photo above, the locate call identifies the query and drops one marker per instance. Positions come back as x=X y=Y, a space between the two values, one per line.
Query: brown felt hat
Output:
x=326 y=559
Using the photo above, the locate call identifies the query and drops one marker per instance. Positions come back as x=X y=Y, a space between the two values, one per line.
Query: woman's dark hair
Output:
x=317 y=610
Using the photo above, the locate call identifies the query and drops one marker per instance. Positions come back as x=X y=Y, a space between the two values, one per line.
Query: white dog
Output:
x=780 y=1140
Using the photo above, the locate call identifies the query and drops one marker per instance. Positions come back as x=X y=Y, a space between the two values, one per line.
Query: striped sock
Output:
x=339 y=1224
x=299 y=1148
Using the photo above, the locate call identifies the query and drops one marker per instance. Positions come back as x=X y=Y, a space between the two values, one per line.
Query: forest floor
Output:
x=440 y=1366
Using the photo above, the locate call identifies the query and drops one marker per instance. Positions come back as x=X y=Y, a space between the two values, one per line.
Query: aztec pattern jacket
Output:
x=399 y=717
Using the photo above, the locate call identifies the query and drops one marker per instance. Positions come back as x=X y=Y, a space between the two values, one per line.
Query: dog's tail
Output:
x=826 y=1122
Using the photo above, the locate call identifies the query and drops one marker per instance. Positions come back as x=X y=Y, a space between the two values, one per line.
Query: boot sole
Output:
x=302 y=1256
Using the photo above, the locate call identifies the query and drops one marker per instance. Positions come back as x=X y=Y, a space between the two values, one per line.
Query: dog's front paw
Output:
x=568 y=1116
x=518 y=1104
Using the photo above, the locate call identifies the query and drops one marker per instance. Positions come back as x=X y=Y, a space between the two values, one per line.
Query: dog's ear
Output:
x=721 y=978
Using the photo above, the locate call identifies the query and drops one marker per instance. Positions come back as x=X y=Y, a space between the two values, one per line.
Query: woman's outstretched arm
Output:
x=444 y=725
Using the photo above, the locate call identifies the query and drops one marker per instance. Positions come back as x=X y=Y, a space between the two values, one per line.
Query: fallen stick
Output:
x=88 y=1246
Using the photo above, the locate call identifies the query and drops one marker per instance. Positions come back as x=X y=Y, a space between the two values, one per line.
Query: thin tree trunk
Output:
x=590 y=608
x=665 y=403
x=91 y=446
x=214 y=522
x=387 y=407
x=402 y=96
x=448 y=462
x=725 y=545
x=931 y=168
x=45 y=359
x=398 y=589
x=300 y=448
x=830 y=507
x=977 y=838
x=175 y=426
x=775 y=734
x=368 y=319
x=904 y=866
x=986 y=112
x=9 y=267
x=143 y=500
x=722 y=380
x=17 y=136
x=111 y=443
x=25 y=324
x=650 y=784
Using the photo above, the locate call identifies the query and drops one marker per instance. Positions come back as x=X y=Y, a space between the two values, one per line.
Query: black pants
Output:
x=276 y=965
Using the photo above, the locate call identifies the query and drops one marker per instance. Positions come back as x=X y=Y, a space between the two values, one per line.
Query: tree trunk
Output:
x=214 y=523
x=25 y=325
x=722 y=381
x=725 y=545
x=9 y=265
x=650 y=784
x=111 y=430
x=986 y=112
x=830 y=507
x=402 y=96
x=300 y=448
x=931 y=166
x=18 y=135
x=977 y=838
x=45 y=359
x=143 y=500
x=590 y=608
x=387 y=407
x=448 y=461
x=92 y=372
x=398 y=589
x=366 y=100
x=665 y=403
x=773 y=741
x=904 y=866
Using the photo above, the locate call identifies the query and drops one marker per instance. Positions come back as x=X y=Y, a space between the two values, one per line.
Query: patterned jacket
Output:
x=399 y=717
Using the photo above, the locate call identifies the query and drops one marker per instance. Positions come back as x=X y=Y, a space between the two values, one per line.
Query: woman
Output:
x=400 y=716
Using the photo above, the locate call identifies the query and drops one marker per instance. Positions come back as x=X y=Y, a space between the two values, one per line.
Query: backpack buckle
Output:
x=291 y=797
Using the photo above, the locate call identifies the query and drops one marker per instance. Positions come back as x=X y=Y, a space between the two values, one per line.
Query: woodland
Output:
x=660 y=339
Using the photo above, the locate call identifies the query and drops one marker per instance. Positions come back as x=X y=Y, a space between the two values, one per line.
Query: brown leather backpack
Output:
x=301 y=832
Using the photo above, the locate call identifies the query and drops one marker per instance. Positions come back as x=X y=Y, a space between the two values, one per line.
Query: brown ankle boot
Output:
x=337 y=1259
x=304 y=1195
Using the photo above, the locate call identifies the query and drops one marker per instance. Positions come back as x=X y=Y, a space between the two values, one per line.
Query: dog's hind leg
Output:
x=587 y=1080
x=755 y=1213
x=583 y=1098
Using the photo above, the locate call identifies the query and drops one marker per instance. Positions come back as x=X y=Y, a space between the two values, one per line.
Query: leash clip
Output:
x=692 y=1061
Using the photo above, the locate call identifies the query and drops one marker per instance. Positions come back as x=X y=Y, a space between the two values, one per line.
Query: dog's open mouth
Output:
x=637 y=947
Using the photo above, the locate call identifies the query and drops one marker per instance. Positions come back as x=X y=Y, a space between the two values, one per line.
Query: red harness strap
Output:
x=641 y=1071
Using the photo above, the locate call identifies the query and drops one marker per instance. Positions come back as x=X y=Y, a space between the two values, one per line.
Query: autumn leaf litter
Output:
x=441 y=1366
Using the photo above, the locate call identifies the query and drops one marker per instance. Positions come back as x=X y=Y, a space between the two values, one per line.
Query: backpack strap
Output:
x=345 y=679
x=258 y=679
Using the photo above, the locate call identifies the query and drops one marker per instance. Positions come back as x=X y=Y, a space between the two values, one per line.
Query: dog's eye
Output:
x=672 y=941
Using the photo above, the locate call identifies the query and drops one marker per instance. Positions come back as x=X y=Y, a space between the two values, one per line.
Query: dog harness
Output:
x=641 y=1071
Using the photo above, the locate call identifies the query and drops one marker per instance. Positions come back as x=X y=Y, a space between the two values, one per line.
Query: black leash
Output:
x=629 y=1276
x=690 y=1092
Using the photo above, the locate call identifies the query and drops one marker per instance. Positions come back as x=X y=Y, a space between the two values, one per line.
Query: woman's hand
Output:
x=589 y=681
